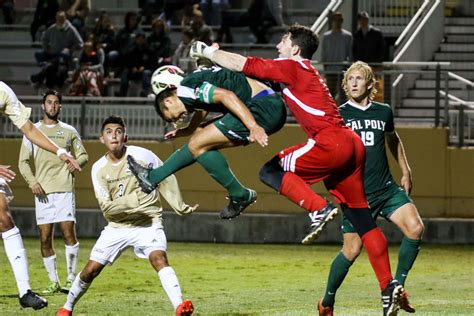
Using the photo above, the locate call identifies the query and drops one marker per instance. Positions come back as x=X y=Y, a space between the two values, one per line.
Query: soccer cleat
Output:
x=236 y=207
x=63 y=312
x=186 y=308
x=391 y=296
x=405 y=304
x=66 y=287
x=141 y=173
x=319 y=219
x=33 y=300
x=52 y=288
x=325 y=310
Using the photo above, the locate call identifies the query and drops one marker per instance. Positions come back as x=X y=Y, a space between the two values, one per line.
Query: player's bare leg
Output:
x=170 y=283
x=16 y=254
x=68 y=230
x=46 y=232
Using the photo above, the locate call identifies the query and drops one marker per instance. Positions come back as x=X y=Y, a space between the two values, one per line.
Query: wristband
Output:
x=208 y=51
x=60 y=152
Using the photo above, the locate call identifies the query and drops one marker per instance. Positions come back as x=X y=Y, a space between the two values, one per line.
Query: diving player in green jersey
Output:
x=374 y=123
x=250 y=110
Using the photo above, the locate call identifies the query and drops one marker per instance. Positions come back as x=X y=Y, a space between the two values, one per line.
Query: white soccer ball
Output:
x=166 y=77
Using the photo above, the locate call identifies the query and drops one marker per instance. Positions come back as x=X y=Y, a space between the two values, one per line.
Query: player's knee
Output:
x=415 y=229
x=158 y=260
x=272 y=174
x=351 y=252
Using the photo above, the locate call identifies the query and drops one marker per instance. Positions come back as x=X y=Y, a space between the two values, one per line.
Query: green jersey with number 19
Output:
x=371 y=123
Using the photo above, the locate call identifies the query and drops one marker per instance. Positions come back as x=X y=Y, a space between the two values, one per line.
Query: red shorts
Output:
x=336 y=156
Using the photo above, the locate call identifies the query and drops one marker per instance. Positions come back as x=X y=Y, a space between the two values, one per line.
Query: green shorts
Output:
x=383 y=203
x=269 y=112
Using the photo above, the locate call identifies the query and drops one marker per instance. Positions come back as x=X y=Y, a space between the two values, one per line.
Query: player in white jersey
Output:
x=12 y=241
x=52 y=184
x=134 y=217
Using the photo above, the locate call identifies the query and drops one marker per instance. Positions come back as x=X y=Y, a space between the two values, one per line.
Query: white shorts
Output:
x=5 y=189
x=58 y=207
x=113 y=241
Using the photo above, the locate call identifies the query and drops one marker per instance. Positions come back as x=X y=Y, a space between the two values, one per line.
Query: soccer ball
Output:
x=166 y=77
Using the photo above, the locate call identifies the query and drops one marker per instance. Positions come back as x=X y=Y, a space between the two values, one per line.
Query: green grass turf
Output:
x=229 y=279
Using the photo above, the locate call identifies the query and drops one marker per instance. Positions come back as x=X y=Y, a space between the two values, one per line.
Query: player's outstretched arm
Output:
x=6 y=173
x=225 y=59
x=38 y=138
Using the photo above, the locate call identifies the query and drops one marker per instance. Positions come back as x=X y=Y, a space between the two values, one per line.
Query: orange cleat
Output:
x=325 y=311
x=405 y=304
x=63 y=312
x=186 y=308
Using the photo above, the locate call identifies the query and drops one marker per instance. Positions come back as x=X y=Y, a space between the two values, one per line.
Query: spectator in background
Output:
x=124 y=41
x=60 y=41
x=140 y=64
x=8 y=9
x=160 y=42
x=181 y=54
x=336 y=48
x=104 y=34
x=212 y=10
x=77 y=12
x=201 y=31
x=148 y=8
x=45 y=15
x=260 y=16
x=369 y=43
x=88 y=77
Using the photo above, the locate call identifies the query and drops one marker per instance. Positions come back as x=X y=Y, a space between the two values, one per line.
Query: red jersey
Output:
x=304 y=92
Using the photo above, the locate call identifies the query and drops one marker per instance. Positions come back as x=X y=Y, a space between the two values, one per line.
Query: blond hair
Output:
x=369 y=76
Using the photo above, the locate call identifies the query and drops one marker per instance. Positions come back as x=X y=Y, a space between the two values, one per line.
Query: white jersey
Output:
x=120 y=198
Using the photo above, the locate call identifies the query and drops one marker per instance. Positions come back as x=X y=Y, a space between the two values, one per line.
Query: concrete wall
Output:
x=443 y=177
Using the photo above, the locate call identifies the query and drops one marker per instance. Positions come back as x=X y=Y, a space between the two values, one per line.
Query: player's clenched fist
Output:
x=200 y=49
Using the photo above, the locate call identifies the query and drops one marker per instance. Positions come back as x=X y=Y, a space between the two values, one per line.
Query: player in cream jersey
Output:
x=52 y=184
x=134 y=217
x=11 y=107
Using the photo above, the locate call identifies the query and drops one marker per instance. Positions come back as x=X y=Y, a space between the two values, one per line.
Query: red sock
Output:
x=300 y=193
x=376 y=246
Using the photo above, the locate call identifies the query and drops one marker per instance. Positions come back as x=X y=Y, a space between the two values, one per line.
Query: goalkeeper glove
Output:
x=200 y=49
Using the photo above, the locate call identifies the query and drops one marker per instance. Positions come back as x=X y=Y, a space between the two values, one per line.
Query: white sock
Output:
x=77 y=289
x=50 y=266
x=17 y=256
x=72 y=255
x=170 y=284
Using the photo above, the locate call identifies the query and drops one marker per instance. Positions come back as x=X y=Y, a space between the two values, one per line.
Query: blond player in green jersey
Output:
x=52 y=184
x=134 y=217
x=374 y=123
x=11 y=107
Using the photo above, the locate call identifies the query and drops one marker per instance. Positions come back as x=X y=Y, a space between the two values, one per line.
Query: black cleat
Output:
x=141 y=173
x=236 y=207
x=33 y=300
x=319 y=219
x=391 y=297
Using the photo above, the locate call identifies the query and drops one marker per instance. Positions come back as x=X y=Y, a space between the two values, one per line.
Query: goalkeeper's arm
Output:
x=225 y=59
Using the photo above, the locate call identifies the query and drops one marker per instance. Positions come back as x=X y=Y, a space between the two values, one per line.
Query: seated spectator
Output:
x=88 y=78
x=181 y=56
x=212 y=10
x=104 y=34
x=160 y=42
x=60 y=41
x=8 y=8
x=124 y=41
x=77 y=12
x=45 y=15
x=140 y=64
x=201 y=31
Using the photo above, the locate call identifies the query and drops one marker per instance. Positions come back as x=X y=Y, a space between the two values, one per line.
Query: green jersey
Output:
x=196 y=89
x=371 y=123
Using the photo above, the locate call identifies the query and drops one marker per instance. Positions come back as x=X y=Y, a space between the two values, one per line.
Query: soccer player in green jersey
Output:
x=374 y=123
x=250 y=110
x=52 y=183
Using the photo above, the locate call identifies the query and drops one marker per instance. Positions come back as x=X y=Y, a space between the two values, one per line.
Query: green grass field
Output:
x=229 y=279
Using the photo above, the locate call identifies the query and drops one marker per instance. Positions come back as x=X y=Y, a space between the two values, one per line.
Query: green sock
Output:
x=339 y=269
x=216 y=165
x=178 y=160
x=409 y=249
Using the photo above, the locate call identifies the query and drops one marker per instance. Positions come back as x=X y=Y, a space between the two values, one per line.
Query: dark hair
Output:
x=128 y=17
x=113 y=119
x=52 y=92
x=159 y=99
x=305 y=38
